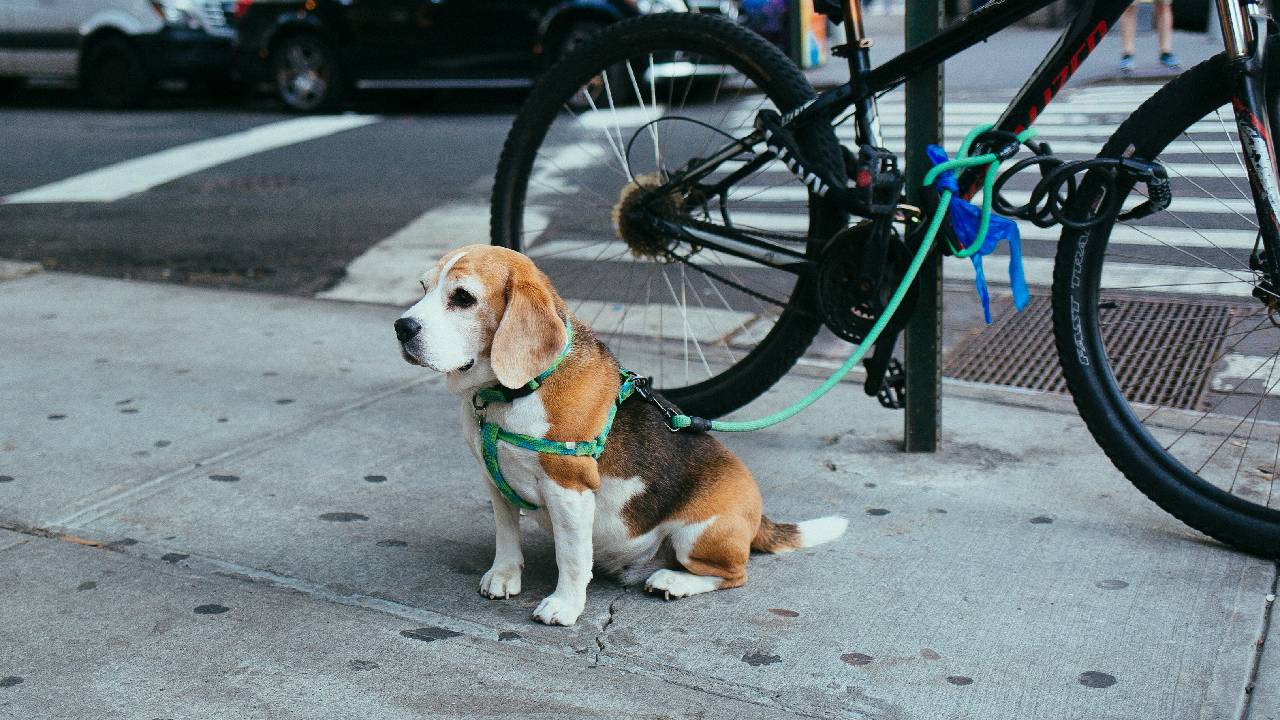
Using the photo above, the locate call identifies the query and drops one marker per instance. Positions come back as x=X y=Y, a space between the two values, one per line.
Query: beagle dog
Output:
x=677 y=510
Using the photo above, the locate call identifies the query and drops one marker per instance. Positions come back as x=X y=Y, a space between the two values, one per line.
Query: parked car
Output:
x=314 y=51
x=115 y=49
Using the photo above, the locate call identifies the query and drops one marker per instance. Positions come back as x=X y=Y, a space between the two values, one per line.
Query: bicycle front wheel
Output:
x=1171 y=359
x=623 y=112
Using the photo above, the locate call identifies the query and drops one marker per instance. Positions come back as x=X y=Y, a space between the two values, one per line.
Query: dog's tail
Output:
x=780 y=537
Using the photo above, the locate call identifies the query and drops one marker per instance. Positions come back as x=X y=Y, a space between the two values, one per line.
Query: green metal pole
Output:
x=923 y=337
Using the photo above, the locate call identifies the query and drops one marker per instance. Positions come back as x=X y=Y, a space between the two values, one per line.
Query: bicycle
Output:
x=679 y=178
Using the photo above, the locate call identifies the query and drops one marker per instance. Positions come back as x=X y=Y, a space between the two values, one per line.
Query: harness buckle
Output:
x=644 y=389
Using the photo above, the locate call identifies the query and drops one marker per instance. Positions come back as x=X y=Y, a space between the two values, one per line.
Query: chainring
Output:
x=852 y=292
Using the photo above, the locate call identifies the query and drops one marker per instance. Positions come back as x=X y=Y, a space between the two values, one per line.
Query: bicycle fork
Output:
x=1244 y=36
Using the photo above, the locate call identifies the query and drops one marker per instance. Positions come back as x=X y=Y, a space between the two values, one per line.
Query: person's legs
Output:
x=1164 y=30
x=1164 y=26
x=1128 y=30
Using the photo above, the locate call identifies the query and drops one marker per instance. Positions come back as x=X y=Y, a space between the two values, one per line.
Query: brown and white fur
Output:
x=675 y=509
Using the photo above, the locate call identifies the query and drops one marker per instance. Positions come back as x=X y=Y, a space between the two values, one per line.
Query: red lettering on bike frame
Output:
x=1056 y=84
x=1064 y=74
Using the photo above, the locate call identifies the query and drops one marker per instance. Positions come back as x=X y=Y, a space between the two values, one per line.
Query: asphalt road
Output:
x=291 y=218
x=285 y=220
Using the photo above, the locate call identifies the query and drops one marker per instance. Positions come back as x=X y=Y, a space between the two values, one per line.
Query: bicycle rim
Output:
x=617 y=117
x=1173 y=361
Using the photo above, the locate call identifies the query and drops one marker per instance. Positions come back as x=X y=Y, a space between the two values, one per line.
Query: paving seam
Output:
x=480 y=631
x=208 y=567
x=97 y=509
x=1251 y=678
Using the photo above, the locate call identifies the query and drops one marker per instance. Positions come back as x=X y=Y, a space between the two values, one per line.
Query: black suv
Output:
x=314 y=51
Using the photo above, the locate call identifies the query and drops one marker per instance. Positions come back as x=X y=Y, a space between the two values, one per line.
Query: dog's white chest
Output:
x=521 y=468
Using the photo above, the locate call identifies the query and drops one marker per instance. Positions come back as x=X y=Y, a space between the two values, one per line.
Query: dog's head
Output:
x=487 y=313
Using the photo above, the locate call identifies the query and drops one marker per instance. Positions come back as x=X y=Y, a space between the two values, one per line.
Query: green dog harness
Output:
x=491 y=433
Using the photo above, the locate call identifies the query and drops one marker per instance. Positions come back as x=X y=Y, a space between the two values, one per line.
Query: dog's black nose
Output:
x=407 y=329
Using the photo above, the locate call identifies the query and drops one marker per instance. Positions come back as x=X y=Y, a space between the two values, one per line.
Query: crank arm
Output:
x=884 y=381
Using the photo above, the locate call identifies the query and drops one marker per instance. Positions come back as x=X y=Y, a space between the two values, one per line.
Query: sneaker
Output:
x=1169 y=60
x=1126 y=63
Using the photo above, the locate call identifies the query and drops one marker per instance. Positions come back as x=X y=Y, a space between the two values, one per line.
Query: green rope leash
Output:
x=961 y=162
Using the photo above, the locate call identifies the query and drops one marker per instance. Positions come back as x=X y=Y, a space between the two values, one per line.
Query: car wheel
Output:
x=112 y=74
x=307 y=75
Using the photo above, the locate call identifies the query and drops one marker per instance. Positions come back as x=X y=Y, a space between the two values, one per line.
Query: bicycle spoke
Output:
x=1252 y=426
x=580 y=179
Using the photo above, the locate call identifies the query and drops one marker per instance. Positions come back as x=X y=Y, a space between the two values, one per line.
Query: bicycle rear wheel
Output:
x=622 y=112
x=1170 y=359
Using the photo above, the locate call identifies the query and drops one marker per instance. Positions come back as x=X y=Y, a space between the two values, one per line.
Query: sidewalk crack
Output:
x=45 y=533
x=604 y=627
x=1255 y=665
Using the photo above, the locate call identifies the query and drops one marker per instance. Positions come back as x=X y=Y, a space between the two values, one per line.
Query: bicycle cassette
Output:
x=856 y=278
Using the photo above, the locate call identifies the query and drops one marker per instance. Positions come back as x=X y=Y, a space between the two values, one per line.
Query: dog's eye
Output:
x=461 y=299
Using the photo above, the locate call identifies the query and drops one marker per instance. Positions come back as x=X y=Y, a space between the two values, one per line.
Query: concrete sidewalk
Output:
x=221 y=505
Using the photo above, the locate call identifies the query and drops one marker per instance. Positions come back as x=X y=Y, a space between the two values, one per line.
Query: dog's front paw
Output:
x=501 y=582
x=556 y=610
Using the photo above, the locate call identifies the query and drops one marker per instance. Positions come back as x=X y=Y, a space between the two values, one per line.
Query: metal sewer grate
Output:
x=1156 y=347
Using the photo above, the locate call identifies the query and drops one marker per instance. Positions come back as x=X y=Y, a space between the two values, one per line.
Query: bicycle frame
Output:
x=1087 y=28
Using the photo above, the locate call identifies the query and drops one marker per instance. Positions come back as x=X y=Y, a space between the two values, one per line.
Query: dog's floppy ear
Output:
x=530 y=335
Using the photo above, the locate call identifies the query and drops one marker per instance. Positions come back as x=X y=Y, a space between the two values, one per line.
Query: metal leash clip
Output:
x=644 y=388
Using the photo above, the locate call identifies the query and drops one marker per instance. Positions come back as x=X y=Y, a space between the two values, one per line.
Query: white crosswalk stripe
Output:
x=1209 y=182
x=794 y=193
x=388 y=272
x=1165 y=257
x=130 y=177
x=1198 y=278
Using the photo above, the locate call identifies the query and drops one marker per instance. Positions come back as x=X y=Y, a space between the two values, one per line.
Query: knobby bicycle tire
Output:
x=1089 y=373
x=785 y=86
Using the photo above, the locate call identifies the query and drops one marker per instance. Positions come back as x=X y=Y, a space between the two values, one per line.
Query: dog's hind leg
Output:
x=714 y=555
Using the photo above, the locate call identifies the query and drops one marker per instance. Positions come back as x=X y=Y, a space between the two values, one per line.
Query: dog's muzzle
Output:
x=407 y=329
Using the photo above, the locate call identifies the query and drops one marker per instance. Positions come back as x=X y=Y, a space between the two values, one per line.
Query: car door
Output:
x=6 y=39
x=43 y=37
x=392 y=39
x=486 y=38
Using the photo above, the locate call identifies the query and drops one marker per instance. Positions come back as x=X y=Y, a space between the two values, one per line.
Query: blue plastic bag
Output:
x=964 y=217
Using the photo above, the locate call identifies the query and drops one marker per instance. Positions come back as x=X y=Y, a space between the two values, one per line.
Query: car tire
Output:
x=112 y=74
x=307 y=75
